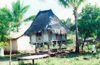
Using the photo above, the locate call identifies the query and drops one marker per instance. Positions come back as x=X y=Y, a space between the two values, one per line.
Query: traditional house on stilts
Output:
x=47 y=29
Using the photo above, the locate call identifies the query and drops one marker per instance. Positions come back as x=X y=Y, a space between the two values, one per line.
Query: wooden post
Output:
x=59 y=45
x=36 y=48
x=10 y=46
x=49 y=48
x=33 y=61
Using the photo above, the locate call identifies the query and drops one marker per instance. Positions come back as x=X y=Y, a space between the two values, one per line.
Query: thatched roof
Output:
x=46 y=21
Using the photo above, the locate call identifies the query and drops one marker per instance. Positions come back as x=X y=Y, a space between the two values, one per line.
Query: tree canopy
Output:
x=71 y=3
x=4 y=25
x=67 y=22
x=89 y=21
x=18 y=11
x=12 y=18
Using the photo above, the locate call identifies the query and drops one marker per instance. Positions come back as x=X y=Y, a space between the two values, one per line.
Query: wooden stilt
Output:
x=49 y=48
x=59 y=43
x=33 y=61
x=36 y=48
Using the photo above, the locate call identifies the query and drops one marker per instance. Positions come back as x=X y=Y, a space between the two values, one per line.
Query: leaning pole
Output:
x=10 y=48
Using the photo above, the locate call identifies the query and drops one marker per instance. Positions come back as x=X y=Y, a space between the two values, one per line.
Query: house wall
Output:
x=24 y=44
x=14 y=46
x=45 y=37
x=33 y=38
x=58 y=37
x=39 y=39
x=53 y=37
x=63 y=37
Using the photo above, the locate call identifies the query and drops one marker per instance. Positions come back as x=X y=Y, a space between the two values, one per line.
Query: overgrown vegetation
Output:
x=89 y=24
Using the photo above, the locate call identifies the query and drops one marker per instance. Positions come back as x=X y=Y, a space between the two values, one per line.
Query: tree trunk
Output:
x=76 y=27
x=36 y=49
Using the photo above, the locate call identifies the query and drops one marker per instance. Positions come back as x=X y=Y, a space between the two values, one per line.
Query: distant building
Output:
x=20 y=43
x=47 y=28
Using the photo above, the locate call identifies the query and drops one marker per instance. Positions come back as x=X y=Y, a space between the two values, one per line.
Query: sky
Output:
x=38 y=5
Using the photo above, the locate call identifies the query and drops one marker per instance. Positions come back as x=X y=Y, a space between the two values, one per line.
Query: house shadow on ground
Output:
x=86 y=55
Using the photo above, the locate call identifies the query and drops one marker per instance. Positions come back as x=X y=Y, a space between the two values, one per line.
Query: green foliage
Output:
x=21 y=63
x=67 y=22
x=3 y=44
x=72 y=3
x=18 y=11
x=10 y=20
x=88 y=24
x=5 y=14
x=30 y=18
x=69 y=41
x=15 y=16
x=72 y=59
x=4 y=25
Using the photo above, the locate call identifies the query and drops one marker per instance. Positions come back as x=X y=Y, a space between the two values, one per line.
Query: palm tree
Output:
x=75 y=5
x=18 y=11
x=15 y=16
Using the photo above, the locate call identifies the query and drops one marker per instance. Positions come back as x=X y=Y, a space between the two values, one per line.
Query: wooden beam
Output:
x=36 y=48
x=59 y=43
x=49 y=48
x=33 y=61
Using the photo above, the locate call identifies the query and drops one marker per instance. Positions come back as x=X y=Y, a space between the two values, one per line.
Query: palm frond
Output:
x=5 y=14
x=64 y=2
x=30 y=18
x=79 y=2
x=73 y=3
x=24 y=9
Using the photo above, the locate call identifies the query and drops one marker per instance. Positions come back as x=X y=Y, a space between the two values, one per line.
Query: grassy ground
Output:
x=72 y=59
x=68 y=59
